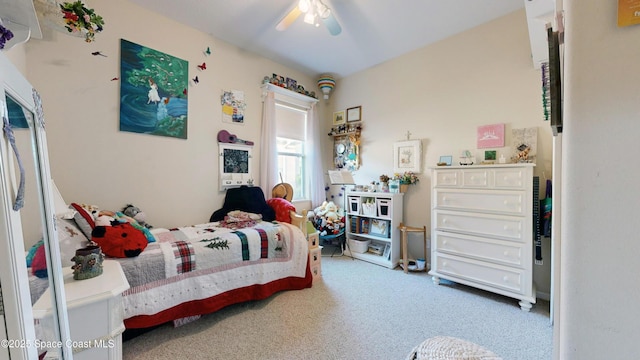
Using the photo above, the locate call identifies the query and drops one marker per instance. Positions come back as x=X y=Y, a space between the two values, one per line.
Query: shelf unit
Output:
x=377 y=224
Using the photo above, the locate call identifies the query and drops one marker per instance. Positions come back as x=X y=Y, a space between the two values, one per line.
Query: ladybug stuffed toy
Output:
x=119 y=240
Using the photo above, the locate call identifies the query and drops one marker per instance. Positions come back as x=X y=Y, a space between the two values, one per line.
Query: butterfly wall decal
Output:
x=196 y=80
x=203 y=66
x=208 y=51
x=98 y=53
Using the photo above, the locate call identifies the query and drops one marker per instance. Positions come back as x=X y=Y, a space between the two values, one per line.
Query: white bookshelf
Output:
x=377 y=223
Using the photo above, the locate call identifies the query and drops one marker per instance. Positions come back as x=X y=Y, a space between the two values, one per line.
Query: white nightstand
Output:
x=95 y=311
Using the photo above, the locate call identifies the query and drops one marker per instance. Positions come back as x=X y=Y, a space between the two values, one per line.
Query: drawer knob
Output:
x=444 y=242
x=444 y=264
x=506 y=253
x=505 y=278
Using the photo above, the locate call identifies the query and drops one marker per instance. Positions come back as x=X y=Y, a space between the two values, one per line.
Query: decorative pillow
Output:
x=32 y=252
x=283 y=209
x=119 y=240
x=70 y=239
x=84 y=217
x=39 y=263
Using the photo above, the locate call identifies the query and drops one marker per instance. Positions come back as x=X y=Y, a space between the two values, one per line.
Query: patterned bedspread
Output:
x=198 y=262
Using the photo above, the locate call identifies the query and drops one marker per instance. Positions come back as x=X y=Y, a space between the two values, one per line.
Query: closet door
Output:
x=26 y=217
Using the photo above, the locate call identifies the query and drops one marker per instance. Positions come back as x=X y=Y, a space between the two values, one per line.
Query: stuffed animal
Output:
x=137 y=214
x=119 y=240
x=328 y=219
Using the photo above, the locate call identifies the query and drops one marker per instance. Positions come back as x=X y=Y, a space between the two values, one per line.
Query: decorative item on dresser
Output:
x=482 y=228
x=372 y=226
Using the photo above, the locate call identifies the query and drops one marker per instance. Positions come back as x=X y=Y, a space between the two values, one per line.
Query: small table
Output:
x=95 y=312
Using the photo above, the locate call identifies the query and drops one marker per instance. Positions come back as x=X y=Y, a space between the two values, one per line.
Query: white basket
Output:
x=368 y=209
x=359 y=246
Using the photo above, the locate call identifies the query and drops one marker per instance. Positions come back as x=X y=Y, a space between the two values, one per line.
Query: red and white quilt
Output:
x=188 y=265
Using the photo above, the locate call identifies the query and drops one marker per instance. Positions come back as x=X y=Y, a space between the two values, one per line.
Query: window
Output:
x=291 y=125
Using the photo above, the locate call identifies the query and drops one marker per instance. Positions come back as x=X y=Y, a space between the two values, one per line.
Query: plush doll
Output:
x=137 y=214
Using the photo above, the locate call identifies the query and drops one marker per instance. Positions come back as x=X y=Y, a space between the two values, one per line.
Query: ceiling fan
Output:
x=314 y=11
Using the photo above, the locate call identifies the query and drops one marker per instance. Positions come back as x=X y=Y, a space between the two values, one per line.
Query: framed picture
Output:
x=292 y=84
x=338 y=117
x=387 y=252
x=379 y=228
x=490 y=136
x=407 y=156
x=490 y=155
x=354 y=114
x=445 y=160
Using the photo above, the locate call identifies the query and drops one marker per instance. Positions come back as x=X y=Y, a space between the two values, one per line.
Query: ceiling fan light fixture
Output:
x=304 y=5
x=323 y=10
x=310 y=18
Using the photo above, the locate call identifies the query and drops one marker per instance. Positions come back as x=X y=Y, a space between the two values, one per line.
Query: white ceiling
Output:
x=373 y=31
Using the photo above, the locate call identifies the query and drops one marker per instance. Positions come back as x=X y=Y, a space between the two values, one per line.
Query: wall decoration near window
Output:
x=354 y=114
x=153 y=91
x=233 y=106
x=235 y=165
x=407 y=156
x=490 y=136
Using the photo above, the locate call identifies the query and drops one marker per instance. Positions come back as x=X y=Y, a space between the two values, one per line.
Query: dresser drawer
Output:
x=496 y=276
x=447 y=178
x=490 y=201
x=511 y=178
x=476 y=178
x=497 y=226
x=497 y=251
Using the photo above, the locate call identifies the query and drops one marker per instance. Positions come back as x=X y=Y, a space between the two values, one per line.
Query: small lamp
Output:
x=326 y=83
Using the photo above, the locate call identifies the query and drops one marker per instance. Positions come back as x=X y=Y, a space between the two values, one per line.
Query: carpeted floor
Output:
x=357 y=310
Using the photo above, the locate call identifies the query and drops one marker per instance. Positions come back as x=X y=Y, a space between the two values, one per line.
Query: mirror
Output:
x=26 y=218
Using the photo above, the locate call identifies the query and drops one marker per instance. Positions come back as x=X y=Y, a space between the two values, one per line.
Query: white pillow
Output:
x=62 y=210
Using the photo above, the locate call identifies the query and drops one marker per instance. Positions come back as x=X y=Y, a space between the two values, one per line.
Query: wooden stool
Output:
x=404 y=229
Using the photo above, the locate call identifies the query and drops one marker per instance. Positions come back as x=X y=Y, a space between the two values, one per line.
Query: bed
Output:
x=189 y=271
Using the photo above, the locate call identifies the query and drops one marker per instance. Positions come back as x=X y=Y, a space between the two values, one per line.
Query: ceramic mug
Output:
x=88 y=262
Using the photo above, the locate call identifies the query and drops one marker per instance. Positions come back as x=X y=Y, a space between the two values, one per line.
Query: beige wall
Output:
x=174 y=181
x=441 y=94
x=599 y=290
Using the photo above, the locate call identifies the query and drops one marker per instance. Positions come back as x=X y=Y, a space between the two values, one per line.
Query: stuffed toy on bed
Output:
x=119 y=240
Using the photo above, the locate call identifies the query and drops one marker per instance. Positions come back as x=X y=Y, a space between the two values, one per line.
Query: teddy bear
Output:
x=137 y=214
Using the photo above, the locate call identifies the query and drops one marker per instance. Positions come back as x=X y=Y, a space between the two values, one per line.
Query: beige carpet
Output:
x=356 y=311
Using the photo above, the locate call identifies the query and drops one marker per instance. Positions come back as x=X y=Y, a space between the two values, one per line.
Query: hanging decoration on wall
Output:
x=73 y=18
x=546 y=90
x=153 y=97
x=525 y=145
x=490 y=136
x=233 y=106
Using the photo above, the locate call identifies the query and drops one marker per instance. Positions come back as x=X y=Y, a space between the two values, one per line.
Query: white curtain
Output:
x=268 y=146
x=314 y=158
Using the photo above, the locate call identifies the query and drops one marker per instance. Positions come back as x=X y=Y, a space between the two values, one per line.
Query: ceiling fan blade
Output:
x=289 y=19
x=332 y=25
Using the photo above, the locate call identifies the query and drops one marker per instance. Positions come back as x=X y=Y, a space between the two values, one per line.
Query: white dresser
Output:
x=95 y=311
x=482 y=228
